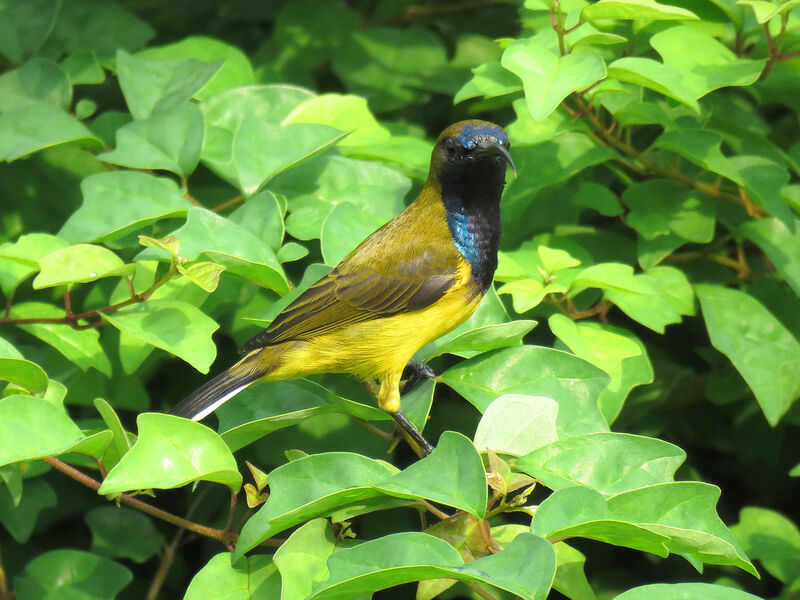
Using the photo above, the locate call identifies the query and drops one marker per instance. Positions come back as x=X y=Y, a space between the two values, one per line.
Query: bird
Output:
x=411 y=281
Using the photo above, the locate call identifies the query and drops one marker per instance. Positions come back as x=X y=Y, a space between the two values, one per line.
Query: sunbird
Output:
x=411 y=281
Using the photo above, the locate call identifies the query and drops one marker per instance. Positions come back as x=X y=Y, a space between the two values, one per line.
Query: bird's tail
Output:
x=211 y=395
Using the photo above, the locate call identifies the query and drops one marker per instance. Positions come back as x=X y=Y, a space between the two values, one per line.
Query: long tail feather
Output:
x=207 y=398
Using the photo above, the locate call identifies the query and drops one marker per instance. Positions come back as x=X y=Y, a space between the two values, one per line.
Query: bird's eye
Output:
x=450 y=147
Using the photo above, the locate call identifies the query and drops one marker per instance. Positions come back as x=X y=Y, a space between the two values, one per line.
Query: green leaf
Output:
x=535 y=371
x=779 y=243
x=486 y=338
x=261 y=150
x=516 y=424
x=609 y=463
x=656 y=76
x=702 y=147
x=570 y=579
x=203 y=274
x=710 y=65
x=19 y=518
x=235 y=71
x=766 y=11
x=171 y=452
x=488 y=328
x=655 y=299
x=390 y=65
x=549 y=78
x=597 y=197
x=119 y=532
x=341 y=180
x=683 y=591
x=309 y=487
x=489 y=80
x=765 y=353
x=20 y=260
x=79 y=264
x=676 y=517
x=346 y=113
x=170 y=140
x=72 y=574
x=208 y=236
x=773 y=539
x=525 y=567
x=34 y=428
x=172 y=325
x=646 y=10
x=346 y=227
x=248 y=578
x=24 y=373
x=24 y=26
x=452 y=474
x=120 y=444
x=81 y=346
x=601 y=347
x=38 y=80
x=99 y=26
x=262 y=215
x=765 y=180
x=614 y=350
x=83 y=67
x=247 y=417
x=120 y=202
x=37 y=126
x=659 y=207
x=157 y=86
x=545 y=165
x=301 y=560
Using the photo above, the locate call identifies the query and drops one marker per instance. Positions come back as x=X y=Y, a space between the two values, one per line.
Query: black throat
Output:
x=471 y=192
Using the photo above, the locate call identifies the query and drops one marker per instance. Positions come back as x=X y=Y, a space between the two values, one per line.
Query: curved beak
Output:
x=498 y=150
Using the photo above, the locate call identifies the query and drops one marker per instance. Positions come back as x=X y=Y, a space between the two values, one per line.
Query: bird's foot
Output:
x=415 y=372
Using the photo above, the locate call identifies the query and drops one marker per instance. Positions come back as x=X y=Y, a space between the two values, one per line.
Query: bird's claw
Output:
x=415 y=372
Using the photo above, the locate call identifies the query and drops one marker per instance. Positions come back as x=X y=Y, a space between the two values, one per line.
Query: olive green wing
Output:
x=346 y=296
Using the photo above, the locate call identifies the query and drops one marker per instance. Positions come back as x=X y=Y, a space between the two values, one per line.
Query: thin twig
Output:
x=236 y=200
x=372 y=428
x=210 y=532
x=419 y=12
x=435 y=511
x=5 y=593
x=74 y=318
x=480 y=591
x=167 y=558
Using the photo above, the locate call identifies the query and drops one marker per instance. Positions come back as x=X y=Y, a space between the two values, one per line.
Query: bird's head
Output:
x=470 y=148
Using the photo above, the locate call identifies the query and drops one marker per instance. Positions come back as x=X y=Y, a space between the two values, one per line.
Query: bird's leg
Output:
x=425 y=447
x=415 y=372
x=389 y=400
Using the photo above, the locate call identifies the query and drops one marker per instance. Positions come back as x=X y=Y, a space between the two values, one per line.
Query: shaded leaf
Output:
x=119 y=202
x=119 y=532
x=71 y=574
x=172 y=325
x=765 y=353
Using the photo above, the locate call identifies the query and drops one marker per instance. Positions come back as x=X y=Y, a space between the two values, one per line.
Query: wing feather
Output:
x=342 y=299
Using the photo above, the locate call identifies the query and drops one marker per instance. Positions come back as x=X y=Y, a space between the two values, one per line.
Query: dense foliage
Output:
x=173 y=171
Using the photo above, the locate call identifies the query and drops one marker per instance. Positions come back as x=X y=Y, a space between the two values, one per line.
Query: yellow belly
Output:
x=374 y=349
